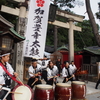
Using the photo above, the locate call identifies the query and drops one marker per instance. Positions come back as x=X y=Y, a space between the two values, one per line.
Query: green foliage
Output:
x=98 y=15
x=11 y=18
x=67 y=4
x=2 y=2
x=64 y=3
x=86 y=37
x=8 y=3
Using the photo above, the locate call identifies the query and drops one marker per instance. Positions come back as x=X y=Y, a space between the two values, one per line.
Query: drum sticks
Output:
x=70 y=78
x=34 y=82
x=52 y=77
x=20 y=80
x=16 y=92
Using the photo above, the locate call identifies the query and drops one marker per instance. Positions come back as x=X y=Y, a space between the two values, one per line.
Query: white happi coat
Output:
x=52 y=72
x=65 y=72
x=73 y=67
x=2 y=72
x=46 y=63
x=32 y=70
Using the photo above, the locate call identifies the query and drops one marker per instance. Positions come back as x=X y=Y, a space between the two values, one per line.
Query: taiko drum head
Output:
x=63 y=85
x=78 y=82
x=43 y=86
x=22 y=92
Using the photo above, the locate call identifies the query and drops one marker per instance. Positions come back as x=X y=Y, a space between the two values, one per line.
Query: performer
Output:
x=73 y=67
x=52 y=72
x=34 y=71
x=58 y=64
x=6 y=71
x=44 y=64
x=98 y=82
x=67 y=73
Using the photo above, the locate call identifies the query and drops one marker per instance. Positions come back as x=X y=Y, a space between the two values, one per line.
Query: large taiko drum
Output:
x=78 y=90
x=63 y=91
x=43 y=92
x=22 y=92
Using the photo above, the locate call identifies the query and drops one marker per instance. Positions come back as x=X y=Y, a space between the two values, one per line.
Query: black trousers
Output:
x=50 y=82
x=44 y=75
x=72 y=79
x=31 y=80
x=59 y=69
x=98 y=82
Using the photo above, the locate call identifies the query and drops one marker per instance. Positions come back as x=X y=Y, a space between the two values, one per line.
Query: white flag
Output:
x=36 y=28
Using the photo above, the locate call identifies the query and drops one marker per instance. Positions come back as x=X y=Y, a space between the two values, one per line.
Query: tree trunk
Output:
x=55 y=38
x=92 y=20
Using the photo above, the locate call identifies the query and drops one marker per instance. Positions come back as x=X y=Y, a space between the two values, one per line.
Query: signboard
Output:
x=36 y=28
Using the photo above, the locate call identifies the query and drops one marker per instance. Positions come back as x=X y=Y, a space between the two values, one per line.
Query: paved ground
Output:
x=92 y=93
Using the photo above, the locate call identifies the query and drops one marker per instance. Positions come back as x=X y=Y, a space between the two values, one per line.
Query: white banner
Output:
x=36 y=28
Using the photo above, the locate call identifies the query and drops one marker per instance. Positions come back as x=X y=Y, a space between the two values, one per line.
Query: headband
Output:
x=4 y=54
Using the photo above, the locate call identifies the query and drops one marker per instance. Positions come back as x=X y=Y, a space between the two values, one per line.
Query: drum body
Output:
x=78 y=90
x=22 y=92
x=44 y=92
x=63 y=91
x=81 y=72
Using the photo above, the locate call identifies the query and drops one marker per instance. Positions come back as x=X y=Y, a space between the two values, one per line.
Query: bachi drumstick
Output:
x=20 y=80
x=34 y=82
x=16 y=92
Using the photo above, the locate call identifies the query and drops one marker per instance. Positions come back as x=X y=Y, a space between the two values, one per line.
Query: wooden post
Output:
x=71 y=40
x=21 y=31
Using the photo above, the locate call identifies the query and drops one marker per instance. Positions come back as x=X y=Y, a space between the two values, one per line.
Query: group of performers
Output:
x=42 y=69
x=49 y=72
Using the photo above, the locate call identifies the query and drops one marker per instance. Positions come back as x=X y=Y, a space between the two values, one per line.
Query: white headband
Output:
x=4 y=54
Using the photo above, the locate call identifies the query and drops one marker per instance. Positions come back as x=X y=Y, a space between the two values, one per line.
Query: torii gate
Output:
x=70 y=25
x=22 y=13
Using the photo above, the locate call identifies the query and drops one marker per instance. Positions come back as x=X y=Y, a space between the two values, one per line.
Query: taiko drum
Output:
x=63 y=91
x=78 y=90
x=44 y=92
x=22 y=92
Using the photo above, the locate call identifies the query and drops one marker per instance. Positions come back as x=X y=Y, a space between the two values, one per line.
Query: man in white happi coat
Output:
x=73 y=67
x=67 y=73
x=34 y=73
x=52 y=73
x=44 y=64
